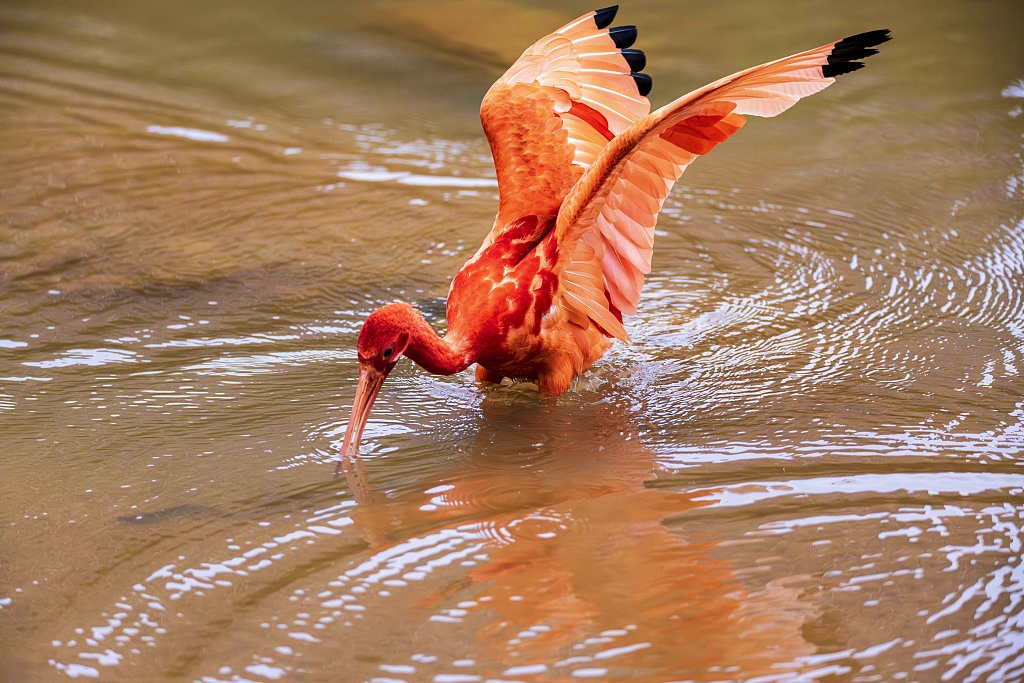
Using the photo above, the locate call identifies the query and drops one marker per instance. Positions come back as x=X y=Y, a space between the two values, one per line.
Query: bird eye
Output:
x=388 y=351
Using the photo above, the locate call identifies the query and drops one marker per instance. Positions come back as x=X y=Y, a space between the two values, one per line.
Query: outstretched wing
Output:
x=607 y=221
x=552 y=112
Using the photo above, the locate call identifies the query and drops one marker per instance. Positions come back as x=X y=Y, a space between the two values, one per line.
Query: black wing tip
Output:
x=847 y=51
x=643 y=83
x=636 y=59
x=623 y=36
x=866 y=39
x=605 y=16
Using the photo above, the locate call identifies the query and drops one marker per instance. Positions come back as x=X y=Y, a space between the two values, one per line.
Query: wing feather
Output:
x=614 y=206
x=552 y=112
x=583 y=291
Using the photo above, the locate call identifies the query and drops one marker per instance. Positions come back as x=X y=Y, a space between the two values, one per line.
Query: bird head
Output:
x=382 y=341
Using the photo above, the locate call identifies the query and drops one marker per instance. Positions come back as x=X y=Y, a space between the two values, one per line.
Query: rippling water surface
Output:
x=809 y=465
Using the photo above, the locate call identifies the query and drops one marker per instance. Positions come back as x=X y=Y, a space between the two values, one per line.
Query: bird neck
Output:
x=432 y=353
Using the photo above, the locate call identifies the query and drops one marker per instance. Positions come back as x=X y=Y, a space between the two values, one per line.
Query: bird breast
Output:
x=498 y=300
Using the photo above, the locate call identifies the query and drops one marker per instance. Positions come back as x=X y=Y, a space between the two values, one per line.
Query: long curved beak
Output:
x=370 y=382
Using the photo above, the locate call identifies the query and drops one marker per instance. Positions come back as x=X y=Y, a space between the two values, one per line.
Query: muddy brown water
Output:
x=807 y=466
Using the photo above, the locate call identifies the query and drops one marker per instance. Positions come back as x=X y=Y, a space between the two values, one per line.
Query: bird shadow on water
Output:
x=569 y=547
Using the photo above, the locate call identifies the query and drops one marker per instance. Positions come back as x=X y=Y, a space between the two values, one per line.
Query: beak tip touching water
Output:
x=370 y=382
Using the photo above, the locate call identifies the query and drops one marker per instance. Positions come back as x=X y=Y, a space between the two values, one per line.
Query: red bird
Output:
x=583 y=169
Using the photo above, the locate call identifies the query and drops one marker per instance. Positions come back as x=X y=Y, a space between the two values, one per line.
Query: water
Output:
x=807 y=466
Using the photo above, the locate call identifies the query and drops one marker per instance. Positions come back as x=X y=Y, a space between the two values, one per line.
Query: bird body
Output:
x=583 y=169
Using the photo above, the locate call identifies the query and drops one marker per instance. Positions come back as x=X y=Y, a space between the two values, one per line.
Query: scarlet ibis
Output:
x=583 y=168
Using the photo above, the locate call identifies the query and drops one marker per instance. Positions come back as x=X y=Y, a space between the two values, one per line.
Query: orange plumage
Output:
x=583 y=169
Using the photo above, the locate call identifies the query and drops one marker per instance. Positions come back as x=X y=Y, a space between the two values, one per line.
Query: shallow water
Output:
x=807 y=466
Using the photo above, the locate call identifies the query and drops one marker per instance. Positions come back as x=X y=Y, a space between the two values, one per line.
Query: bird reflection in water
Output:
x=578 y=565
